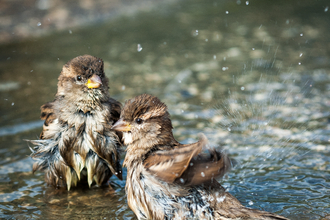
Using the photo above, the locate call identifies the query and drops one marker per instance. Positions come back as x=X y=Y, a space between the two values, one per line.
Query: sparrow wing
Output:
x=115 y=113
x=115 y=109
x=187 y=164
x=48 y=115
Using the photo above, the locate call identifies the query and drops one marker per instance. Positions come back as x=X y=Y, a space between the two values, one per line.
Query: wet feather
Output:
x=169 y=180
x=77 y=133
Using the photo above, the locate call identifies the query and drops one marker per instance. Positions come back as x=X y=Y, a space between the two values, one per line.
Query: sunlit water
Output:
x=252 y=75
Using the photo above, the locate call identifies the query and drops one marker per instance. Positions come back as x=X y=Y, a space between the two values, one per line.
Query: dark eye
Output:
x=79 y=78
x=138 y=120
x=85 y=67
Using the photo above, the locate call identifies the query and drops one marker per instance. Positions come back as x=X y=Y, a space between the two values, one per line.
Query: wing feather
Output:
x=187 y=164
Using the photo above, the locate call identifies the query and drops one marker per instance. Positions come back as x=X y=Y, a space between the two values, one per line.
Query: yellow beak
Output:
x=121 y=125
x=94 y=82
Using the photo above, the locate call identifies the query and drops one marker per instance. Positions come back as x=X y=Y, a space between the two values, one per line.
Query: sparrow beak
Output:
x=94 y=82
x=121 y=125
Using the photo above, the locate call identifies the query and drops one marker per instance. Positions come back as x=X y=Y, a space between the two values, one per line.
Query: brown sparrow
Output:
x=77 y=142
x=169 y=180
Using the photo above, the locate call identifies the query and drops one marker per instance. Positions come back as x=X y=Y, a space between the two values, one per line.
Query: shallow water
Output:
x=254 y=76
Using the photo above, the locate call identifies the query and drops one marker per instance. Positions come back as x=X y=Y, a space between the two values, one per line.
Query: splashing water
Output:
x=276 y=130
x=139 y=48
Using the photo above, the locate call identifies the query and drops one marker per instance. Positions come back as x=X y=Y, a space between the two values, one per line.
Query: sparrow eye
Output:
x=79 y=78
x=138 y=120
x=85 y=67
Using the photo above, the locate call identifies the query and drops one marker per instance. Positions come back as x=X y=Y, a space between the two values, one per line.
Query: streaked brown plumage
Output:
x=77 y=142
x=169 y=180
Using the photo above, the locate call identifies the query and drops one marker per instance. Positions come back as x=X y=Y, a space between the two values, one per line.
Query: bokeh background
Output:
x=253 y=76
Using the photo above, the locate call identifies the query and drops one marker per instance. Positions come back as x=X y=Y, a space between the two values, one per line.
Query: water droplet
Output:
x=12 y=103
x=139 y=48
x=202 y=174
x=247 y=2
x=295 y=177
x=39 y=24
x=227 y=12
x=224 y=68
x=250 y=203
x=253 y=48
x=206 y=40
x=326 y=9
x=195 y=33
x=299 y=63
x=228 y=129
x=191 y=164
x=70 y=32
x=242 y=88
x=300 y=55
x=287 y=21
x=181 y=180
x=301 y=34
x=179 y=81
x=182 y=111
x=214 y=57
x=31 y=71
x=238 y=2
x=123 y=87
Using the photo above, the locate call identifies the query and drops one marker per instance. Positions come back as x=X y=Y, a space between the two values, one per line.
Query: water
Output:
x=255 y=80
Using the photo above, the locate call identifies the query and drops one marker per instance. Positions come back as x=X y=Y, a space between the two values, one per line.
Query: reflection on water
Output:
x=253 y=77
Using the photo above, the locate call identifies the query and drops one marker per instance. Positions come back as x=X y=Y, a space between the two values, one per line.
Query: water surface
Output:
x=252 y=75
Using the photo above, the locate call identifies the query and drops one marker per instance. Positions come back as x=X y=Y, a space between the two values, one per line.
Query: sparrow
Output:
x=77 y=143
x=169 y=180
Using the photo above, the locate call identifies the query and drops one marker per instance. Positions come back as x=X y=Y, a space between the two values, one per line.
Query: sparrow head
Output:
x=83 y=74
x=145 y=122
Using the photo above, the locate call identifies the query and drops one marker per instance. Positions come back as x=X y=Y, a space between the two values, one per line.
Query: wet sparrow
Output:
x=77 y=142
x=169 y=180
